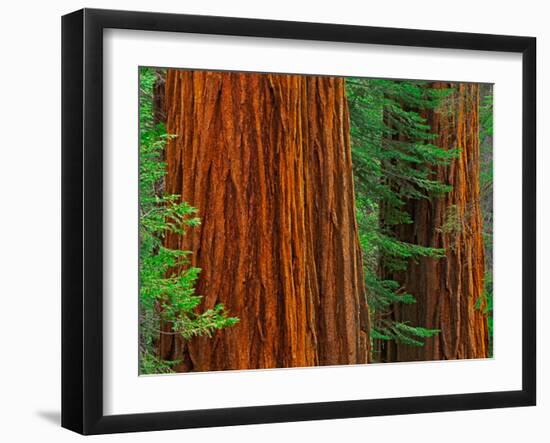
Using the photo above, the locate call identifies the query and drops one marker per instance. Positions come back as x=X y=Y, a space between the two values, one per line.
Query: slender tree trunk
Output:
x=266 y=159
x=447 y=289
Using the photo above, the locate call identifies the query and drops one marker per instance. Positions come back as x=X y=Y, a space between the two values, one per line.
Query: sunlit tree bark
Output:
x=266 y=160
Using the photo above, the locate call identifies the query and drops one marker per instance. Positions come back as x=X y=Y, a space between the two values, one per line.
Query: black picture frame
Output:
x=82 y=218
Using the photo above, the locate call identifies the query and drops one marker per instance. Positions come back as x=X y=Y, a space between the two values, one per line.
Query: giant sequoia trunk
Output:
x=447 y=289
x=266 y=159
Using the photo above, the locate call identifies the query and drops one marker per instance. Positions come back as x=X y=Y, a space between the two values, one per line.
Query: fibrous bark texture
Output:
x=447 y=289
x=266 y=160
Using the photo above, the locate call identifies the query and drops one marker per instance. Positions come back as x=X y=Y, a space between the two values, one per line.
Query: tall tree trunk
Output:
x=266 y=159
x=447 y=289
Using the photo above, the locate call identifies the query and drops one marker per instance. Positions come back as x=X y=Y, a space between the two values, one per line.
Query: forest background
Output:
x=396 y=155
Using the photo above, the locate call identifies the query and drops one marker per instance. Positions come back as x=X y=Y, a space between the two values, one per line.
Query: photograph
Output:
x=243 y=222
x=299 y=220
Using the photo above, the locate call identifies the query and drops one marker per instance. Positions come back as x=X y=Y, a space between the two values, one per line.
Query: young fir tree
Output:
x=393 y=156
x=167 y=295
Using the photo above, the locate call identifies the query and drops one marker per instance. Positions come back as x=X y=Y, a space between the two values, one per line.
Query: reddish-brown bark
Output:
x=266 y=160
x=447 y=289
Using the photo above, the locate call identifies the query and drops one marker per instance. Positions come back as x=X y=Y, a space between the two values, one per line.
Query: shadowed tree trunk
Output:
x=447 y=289
x=266 y=160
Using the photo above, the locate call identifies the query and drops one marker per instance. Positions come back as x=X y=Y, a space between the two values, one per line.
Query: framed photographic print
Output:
x=269 y=221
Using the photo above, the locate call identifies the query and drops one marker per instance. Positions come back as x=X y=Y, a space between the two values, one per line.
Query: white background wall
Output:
x=30 y=220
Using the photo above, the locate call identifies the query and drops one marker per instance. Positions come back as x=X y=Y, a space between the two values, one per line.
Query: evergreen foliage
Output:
x=486 y=186
x=393 y=157
x=167 y=293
